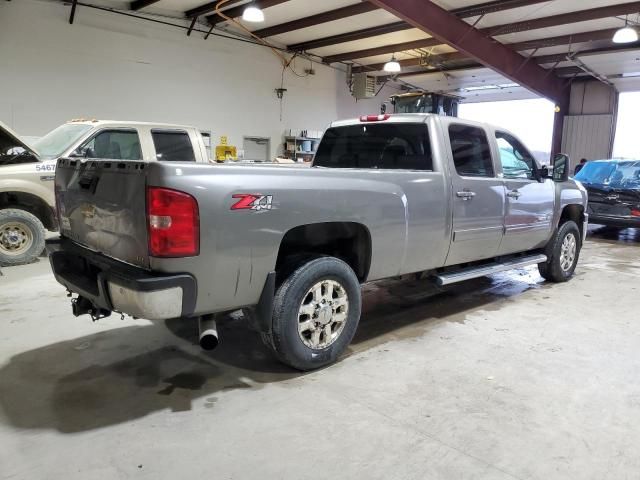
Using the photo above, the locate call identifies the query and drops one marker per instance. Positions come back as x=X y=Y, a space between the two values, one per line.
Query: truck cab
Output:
x=27 y=205
x=119 y=140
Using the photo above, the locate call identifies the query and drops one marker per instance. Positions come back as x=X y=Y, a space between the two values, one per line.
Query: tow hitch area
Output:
x=82 y=306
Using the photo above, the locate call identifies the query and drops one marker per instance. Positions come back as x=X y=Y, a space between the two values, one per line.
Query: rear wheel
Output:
x=316 y=313
x=562 y=252
x=22 y=237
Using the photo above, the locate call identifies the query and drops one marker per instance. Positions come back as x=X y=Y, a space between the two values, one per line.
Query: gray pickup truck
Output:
x=387 y=195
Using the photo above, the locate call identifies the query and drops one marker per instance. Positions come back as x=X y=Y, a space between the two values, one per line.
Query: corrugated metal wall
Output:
x=587 y=136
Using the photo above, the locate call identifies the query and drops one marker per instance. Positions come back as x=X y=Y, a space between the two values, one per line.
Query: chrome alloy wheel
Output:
x=15 y=238
x=323 y=314
x=568 y=252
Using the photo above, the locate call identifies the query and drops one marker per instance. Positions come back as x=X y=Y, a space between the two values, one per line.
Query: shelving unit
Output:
x=297 y=152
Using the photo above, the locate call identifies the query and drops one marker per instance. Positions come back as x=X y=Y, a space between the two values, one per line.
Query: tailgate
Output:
x=102 y=205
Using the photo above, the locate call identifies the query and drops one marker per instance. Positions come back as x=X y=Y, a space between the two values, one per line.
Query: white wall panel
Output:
x=587 y=136
x=113 y=67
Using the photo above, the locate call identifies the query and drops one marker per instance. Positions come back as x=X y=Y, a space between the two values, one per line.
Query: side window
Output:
x=113 y=145
x=471 y=151
x=173 y=146
x=516 y=160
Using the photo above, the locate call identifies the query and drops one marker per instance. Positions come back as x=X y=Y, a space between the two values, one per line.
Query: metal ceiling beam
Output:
x=540 y=60
x=562 y=57
x=544 y=22
x=202 y=9
x=235 y=12
x=365 y=7
x=387 y=49
x=350 y=36
x=518 y=46
x=565 y=18
x=569 y=71
x=575 y=38
x=563 y=71
x=449 y=29
x=320 y=18
x=140 y=4
x=464 y=12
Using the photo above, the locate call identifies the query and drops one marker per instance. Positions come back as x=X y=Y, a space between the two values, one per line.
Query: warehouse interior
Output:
x=502 y=376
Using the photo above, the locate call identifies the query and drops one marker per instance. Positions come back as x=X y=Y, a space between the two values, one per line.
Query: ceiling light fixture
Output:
x=626 y=34
x=392 y=66
x=253 y=14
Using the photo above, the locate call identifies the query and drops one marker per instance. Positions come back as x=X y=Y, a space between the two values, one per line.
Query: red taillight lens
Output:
x=635 y=212
x=374 y=118
x=173 y=223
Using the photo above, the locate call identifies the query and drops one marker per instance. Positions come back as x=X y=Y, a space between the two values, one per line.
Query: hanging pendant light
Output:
x=626 y=34
x=253 y=14
x=392 y=66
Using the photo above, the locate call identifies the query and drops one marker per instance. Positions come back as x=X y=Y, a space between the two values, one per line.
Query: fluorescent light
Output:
x=392 y=66
x=253 y=14
x=626 y=35
x=501 y=86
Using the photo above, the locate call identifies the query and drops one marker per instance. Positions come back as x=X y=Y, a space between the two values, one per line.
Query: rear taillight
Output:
x=635 y=212
x=173 y=223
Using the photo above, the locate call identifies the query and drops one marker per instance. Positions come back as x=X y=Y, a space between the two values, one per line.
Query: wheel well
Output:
x=348 y=241
x=32 y=204
x=575 y=213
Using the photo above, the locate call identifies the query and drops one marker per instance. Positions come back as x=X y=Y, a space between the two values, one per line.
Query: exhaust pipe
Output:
x=208 y=337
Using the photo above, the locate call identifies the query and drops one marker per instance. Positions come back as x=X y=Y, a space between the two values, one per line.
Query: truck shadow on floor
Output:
x=122 y=374
x=612 y=235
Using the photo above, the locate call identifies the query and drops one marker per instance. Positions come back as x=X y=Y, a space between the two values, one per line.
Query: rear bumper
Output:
x=585 y=227
x=116 y=286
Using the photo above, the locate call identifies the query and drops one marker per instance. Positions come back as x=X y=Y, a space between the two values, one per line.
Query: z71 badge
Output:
x=252 y=201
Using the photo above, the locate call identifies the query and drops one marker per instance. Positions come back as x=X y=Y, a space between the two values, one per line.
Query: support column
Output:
x=562 y=109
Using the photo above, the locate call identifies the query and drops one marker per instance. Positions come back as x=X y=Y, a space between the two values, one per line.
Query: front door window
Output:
x=516 y=160
x=112 y=145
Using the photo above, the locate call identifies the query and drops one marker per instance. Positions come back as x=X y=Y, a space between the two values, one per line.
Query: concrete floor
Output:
x=500 y=378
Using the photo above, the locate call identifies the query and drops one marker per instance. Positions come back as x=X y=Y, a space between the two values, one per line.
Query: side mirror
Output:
x=560 y=167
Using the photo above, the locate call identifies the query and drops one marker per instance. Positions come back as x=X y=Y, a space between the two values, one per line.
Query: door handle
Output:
x=466 y=195
x=514 y=194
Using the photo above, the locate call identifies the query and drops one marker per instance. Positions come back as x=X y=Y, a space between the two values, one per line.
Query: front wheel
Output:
x=22 y=237
x=316 y=313
x=562 y=252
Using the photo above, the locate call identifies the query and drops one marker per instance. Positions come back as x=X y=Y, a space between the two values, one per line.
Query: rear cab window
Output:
x=389 y=146
x=471 y=151
x=173 y=146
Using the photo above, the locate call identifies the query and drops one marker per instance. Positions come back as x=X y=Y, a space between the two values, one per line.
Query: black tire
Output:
x=285 y=339
x=555 y=269
x=22 y=237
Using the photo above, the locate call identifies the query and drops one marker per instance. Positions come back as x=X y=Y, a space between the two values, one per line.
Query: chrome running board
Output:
x=484 y=270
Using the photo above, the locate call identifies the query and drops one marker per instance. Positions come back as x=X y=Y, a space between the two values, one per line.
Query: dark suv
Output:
x=614 y=191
